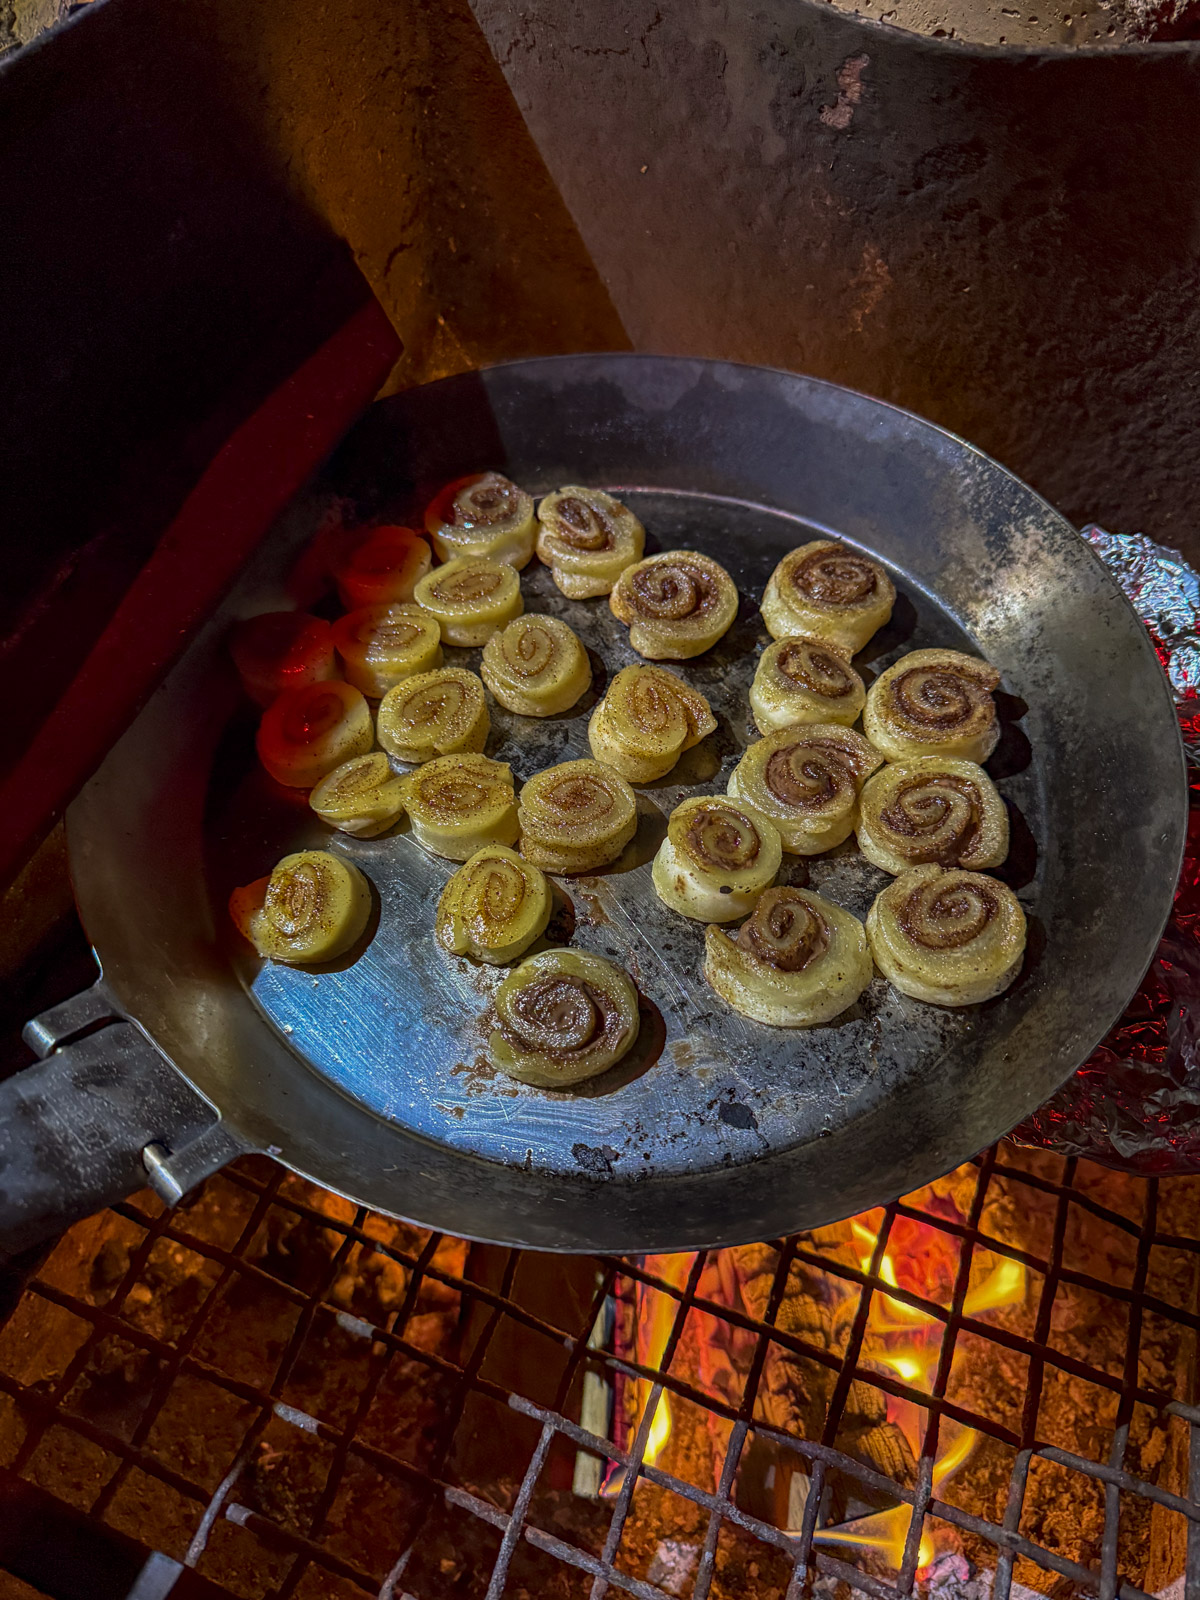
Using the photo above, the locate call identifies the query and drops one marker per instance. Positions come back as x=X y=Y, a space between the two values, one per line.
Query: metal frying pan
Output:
x=370 y=1077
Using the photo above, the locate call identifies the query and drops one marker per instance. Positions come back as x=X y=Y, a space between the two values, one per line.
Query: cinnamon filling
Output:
x=939 y=817
x=482 y=505
x=587 y=527
x=669 y=593
x=723 y=839
x=942 y=699
x=785 y=932
x=815 y=670
x=561 y=1016
x=948 y=917
x=835 y=577
x=808 y=774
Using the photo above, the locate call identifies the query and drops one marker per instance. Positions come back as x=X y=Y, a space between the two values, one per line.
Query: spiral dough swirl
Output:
x=669 y=591
x=528 y=651
x=940 y=699
x=295 y=899
x=486 y=502
x=939 y=815
x=456 y=792
x=834 y=576
x=943 y=916
x=464 y=587
x=722 y=838
x=584 y=526
x=817 y=670
x=785 y=932
x=578 y=800
x=810 y=774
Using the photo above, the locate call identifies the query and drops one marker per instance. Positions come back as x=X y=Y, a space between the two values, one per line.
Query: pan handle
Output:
x=96 y=1118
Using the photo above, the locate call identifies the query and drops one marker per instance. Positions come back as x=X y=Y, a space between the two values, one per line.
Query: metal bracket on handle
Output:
x=99 y=1115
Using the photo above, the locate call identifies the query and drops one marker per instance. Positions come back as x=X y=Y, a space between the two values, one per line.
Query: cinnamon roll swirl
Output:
x=805 y=680
x=562 y=1017
x=307 y=732
x=536 y=666
x=576 y=817
x=458 y=804
x=382 y=645
x=494 y=907
x=312 y=908
x=718 y=857
x=934 y=811
x=676 y=604
x=950 y=937
x=645 y=722
x=587 y=539
x=806 y=781
x=434 y=714
x=797 y=962
x=362 y=797
x=934 y=703
x=482 y=515
x=471 y=597
x=826 y=591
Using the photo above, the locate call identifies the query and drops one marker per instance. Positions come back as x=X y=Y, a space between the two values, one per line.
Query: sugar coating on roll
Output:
x=587 y=539
x=939 y=810
x=948 y=937
x=645 y=722
x=471 y=597
x=799 y=961
x=934 y=703
x=457 y=804
x=494 y=906
x=485 y=514
x=824 y=590
x=312 y=908
x=576 y=817
x=381 y=645
x=363 y=796
x=536 y=666
x=434 y=714
x=807 y=781
x=805 y=680
x=717 y=858
x=676 y=605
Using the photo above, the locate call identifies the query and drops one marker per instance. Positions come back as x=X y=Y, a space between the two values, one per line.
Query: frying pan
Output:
x=370 y=1076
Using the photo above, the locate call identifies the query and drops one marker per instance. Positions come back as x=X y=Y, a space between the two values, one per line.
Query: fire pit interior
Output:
x=289 y=1397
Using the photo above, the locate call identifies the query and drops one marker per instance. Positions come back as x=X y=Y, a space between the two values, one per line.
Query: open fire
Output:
x=902 y=1341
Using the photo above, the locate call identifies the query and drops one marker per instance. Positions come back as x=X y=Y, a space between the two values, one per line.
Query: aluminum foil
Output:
x=1136 y=1102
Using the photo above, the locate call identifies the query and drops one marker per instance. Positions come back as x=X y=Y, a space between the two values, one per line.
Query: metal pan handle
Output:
x=96 y=1118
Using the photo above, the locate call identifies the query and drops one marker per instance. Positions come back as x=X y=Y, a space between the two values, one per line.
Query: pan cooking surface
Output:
x=403 y=1028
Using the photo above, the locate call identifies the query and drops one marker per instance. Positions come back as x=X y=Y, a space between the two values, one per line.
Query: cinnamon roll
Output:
x=950 y=937
x=494 y=907
x=382 y=645
x=363 y=796
x=825 y=591
x=807 y=782
x=563 y=1016
x=458 y=804
x=281 y=650
x=797 y=962
x=645 y=722
x=307 y=732
x=805 y=680
x=482 y=515
x=587 y=539
x=718 y=857
x=934 y=703
x=536 y=666
x=312 y=908
x=937 y=810
x=434 y=714
x=382 y=569
x=471 y=597
x=576 y=817
x=676 y=604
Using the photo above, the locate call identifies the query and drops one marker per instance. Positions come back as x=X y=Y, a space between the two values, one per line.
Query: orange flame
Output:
x=888 y=1530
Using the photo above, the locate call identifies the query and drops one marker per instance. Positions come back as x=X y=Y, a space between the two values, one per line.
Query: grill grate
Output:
x=373 y=1514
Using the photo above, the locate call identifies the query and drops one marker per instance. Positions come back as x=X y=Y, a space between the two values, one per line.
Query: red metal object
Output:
x=249 y=482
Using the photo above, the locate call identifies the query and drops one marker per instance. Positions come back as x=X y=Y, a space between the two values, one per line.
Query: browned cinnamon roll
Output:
x=676 y=604
x=798 y=961
x=952 y=938
x=824 y=590
x=563 y=1016
x=718 y=856
x=471 y=598
x=536 y=666
x=804 y=680
x=934 y=703
x=576 y=817
x=806 y=780
x=587 y=539
x=482 y=515
x=645 y=722
x=938 y=810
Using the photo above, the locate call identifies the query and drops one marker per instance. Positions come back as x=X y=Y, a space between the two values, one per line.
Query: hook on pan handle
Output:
x=94 y=1120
